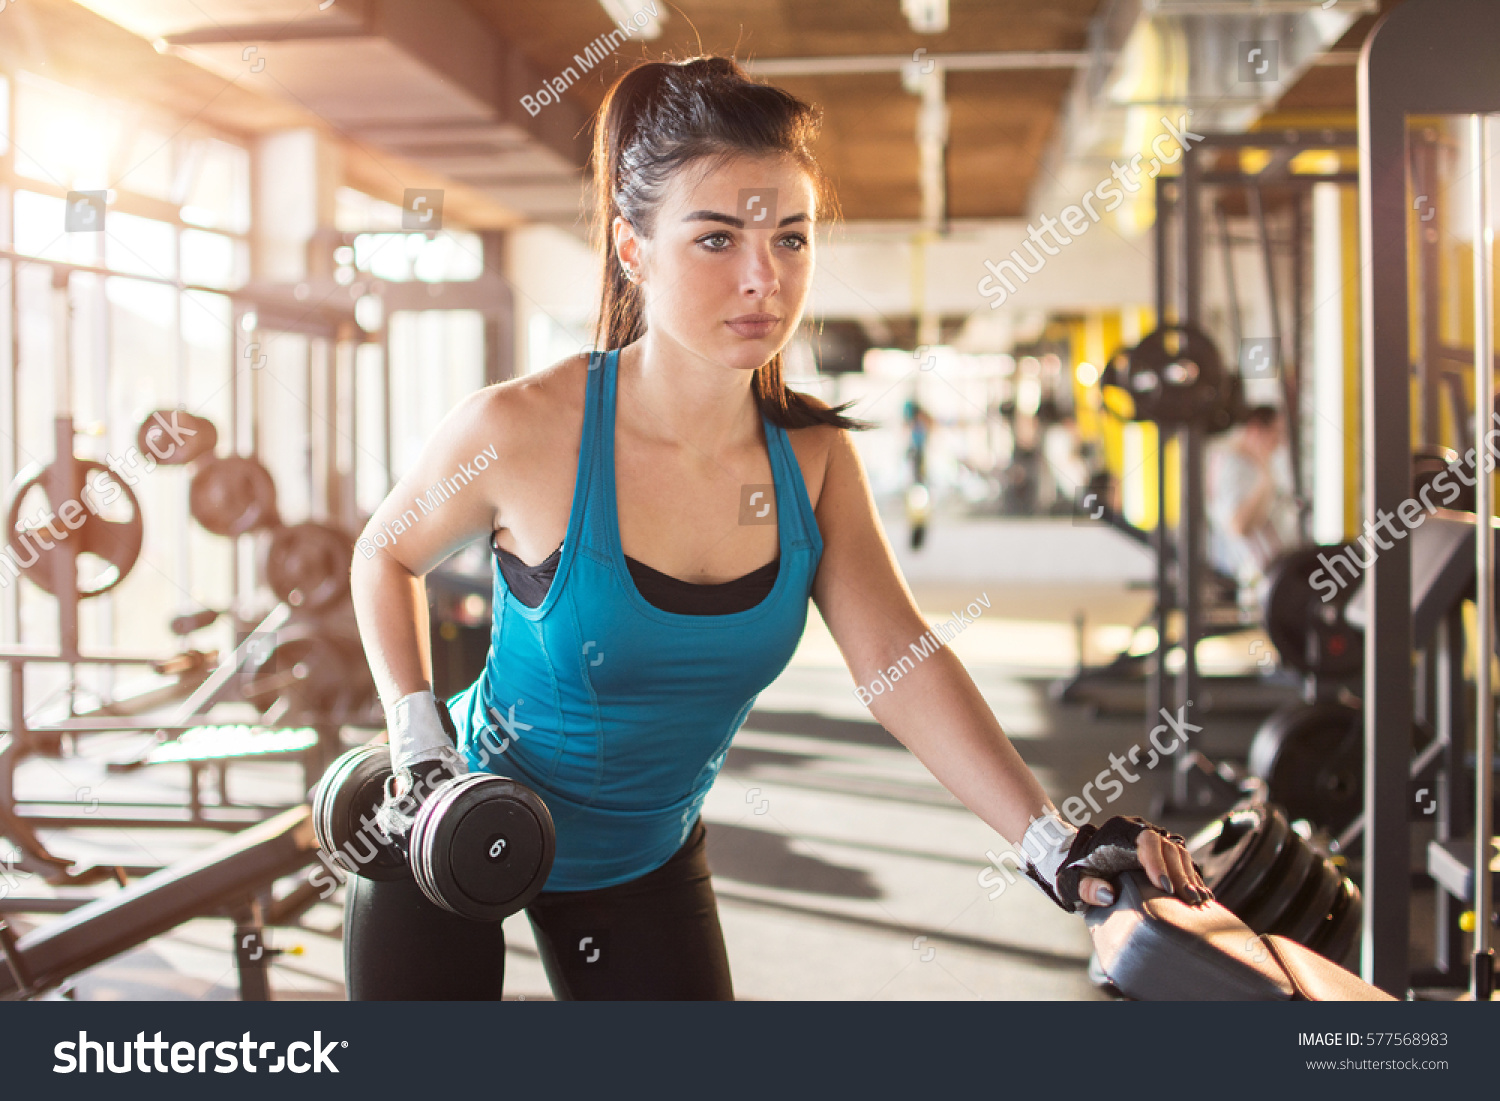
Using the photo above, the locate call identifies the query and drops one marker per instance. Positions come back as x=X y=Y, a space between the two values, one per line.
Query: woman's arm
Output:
x=390 y=601
x=935 y=710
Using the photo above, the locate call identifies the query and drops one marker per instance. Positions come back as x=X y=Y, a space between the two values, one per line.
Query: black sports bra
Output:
x=529 y=585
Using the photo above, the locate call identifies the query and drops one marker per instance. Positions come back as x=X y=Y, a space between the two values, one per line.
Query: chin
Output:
x=746 y=355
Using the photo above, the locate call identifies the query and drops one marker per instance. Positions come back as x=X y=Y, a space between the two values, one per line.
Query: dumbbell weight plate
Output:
x=1340 y=929
x=1237 y=850
x=1280 y=886
x=344 y=803
x=1304 y=917
x=482 y=846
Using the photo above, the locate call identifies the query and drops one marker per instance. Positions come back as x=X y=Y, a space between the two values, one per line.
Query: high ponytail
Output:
x=656 y=119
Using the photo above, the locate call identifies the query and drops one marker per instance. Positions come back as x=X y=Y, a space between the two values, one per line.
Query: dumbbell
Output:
x=480 y=845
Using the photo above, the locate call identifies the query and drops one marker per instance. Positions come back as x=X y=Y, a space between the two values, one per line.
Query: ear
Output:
x=627 y=245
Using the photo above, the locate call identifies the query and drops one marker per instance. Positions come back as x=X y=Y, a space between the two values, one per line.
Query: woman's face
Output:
x=726 y=273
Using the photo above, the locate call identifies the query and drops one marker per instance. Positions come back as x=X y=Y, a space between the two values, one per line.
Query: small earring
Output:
x=629 y=273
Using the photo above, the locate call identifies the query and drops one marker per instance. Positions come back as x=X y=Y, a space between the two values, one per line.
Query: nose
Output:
x=759 y=278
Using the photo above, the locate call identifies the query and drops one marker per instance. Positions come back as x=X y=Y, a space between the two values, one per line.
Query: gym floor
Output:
x=843 y=869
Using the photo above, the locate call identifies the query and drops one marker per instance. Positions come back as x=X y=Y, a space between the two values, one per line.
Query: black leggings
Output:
x=656 y=937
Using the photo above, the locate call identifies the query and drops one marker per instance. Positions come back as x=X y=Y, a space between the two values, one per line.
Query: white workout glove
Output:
x=424 y=753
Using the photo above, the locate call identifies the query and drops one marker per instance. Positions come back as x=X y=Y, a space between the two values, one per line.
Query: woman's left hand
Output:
x=1165 y=862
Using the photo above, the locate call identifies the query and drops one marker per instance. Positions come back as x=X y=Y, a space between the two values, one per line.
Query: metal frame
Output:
x=1425 y=57
x=1180 y=267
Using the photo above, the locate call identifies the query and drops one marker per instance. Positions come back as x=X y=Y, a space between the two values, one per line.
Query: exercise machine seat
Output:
x=1154 y=947
x=1317 y=978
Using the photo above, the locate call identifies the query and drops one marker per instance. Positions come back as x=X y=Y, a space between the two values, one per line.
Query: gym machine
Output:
x=1423 y=59
x=229 y=879
x=302 y=679
x=1153 y=947
x=1183 y=582
x=1196 y=784
x=303 y=675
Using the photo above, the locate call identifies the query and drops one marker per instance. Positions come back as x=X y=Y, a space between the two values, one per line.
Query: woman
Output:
x=680 y=506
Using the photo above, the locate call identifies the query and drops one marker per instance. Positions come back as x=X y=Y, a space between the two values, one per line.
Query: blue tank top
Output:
x=617 y=713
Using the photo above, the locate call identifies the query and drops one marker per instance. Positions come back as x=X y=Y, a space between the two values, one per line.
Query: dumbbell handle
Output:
x=427 y=777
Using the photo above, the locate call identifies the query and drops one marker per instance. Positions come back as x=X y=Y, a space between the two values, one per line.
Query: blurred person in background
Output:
x=1251 y=512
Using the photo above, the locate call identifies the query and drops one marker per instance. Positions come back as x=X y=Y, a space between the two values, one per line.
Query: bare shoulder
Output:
x=536 y=402
x=817 y=448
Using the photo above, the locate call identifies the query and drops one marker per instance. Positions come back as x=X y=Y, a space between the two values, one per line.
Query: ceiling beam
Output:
x=893 y=63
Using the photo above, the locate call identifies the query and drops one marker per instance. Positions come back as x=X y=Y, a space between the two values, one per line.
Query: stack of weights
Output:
x=1274 y=881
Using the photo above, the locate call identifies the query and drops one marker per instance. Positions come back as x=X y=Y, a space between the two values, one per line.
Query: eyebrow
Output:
x=739 y=223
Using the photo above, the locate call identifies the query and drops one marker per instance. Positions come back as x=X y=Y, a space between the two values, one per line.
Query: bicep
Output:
x=859 y=589
x=447 y=499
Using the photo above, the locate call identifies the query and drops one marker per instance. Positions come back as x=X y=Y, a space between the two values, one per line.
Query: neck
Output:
x=673 y=394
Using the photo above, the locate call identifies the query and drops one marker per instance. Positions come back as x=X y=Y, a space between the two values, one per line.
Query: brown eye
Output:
x=715 y=242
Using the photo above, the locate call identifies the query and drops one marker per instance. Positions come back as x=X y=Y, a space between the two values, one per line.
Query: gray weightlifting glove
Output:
x=1059 y=855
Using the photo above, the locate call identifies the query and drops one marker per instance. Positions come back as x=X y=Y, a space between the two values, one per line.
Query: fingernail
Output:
x=1105 y=896
x=1166 y=883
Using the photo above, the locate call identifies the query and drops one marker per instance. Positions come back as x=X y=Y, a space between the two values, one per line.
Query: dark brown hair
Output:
x=660 y=117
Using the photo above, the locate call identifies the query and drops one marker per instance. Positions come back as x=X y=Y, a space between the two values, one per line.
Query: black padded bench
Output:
x=1154 y=948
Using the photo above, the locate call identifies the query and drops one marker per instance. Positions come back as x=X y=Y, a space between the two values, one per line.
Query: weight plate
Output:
x=318 y=674
x=493 y=851
x=1176 y=376
x=1335 y=914
x=307 y=565
x=233 y=495
x=1285 y=880
x=482 y=846
x=1305 y=916
x=1340 y=930
x=1430 y=460
x=174 y=437
x=101 y=534
x=344 y=805
x=1309 y=632
x=1235 y=852
x=1311 y=757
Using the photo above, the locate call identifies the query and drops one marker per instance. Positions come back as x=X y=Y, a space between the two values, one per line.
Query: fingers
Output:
x=1096 y=892
x=1181 y=871
x=1168 y=865
x=1148 y=849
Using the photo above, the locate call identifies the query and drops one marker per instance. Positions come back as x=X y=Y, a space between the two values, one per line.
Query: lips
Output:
x=753 y=326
